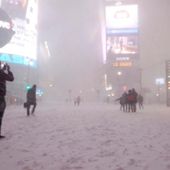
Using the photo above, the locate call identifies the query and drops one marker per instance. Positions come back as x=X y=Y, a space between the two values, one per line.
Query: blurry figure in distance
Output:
x=140 y=101
x=31 y=100
x=77 y=101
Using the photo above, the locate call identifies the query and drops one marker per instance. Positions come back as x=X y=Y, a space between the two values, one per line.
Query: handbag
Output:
x=25 y=105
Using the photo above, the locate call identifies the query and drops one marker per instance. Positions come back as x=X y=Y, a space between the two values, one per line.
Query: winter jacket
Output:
x=31 y=96
x=3 y=78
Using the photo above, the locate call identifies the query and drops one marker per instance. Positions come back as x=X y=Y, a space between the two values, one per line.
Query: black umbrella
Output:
x=6 y=31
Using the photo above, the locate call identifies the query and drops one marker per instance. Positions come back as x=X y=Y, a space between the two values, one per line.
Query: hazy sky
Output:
x=72 y=29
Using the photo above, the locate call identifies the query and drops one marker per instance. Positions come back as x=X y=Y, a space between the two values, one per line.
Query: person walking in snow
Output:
x=77 y=101
x=31 y=99
x=140 y=101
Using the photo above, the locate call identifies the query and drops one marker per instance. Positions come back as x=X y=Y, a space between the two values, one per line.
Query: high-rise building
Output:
x=121 y=46
x=21 y=51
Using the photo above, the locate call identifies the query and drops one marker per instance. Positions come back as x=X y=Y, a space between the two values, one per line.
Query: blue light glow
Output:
x=16 y=59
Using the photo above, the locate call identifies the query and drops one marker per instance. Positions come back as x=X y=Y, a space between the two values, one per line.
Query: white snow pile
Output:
x=88 y=137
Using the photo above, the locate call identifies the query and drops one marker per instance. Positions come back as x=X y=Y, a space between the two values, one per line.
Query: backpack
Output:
x=131 y=98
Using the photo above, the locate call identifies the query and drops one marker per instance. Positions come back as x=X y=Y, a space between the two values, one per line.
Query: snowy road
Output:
x=89 y=137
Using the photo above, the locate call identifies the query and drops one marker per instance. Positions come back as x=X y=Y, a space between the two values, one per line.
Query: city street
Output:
x=96 y=136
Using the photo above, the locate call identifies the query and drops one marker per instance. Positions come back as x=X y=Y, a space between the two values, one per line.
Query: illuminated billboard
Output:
x=122 y=44
x=122 y=38
x=22 y=48
x=121 y=19
x=6 y=28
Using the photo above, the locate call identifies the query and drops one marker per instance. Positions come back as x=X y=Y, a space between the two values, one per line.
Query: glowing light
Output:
x=119 y=73
x=24 y=42
x=108 y=88
x=112 y=94
x=159 y=81
x=122 y=64
x=131 y=21
x=47 y=48
x=105 y=80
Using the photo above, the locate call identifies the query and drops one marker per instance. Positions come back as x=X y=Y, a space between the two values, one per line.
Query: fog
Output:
x=73 y=31
x=95 y=132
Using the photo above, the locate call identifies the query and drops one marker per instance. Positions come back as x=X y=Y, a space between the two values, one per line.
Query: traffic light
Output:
x=28 y=87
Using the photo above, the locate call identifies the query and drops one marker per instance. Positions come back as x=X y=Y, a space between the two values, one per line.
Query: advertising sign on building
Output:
x=6 y=28
x=22 y=48
x=122 y=19
x=122 y=31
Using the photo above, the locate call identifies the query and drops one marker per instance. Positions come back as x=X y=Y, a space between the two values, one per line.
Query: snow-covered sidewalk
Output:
x=88 y=137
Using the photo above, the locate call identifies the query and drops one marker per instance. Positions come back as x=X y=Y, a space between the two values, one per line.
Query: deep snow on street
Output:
x=90 y=137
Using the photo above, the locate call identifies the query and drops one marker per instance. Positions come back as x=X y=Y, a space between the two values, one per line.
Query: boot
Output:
x=1 y=137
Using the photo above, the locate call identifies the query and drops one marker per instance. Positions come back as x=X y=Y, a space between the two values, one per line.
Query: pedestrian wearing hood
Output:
x=31 y=100
x=5 y=75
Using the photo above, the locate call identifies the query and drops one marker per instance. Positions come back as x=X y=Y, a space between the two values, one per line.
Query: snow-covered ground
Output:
x=88 y=137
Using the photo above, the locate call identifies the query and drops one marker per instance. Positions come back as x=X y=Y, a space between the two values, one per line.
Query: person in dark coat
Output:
x=31 y=100
x=123 y=102
x=5 y=75
x=135 y=95
x=140 y=101
x=132 y=100
x=77 y=101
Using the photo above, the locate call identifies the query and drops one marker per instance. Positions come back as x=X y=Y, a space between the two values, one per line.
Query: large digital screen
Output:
x=121 y=19
x=125 y=44
x=122 y=40
x=22 y=48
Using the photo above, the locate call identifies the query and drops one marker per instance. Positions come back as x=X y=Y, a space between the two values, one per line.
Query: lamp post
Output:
x=119 y=74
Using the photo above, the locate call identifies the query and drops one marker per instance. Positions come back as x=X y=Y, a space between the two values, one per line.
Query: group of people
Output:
x=77 y=100
x=7 y=75
x=129 y=99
